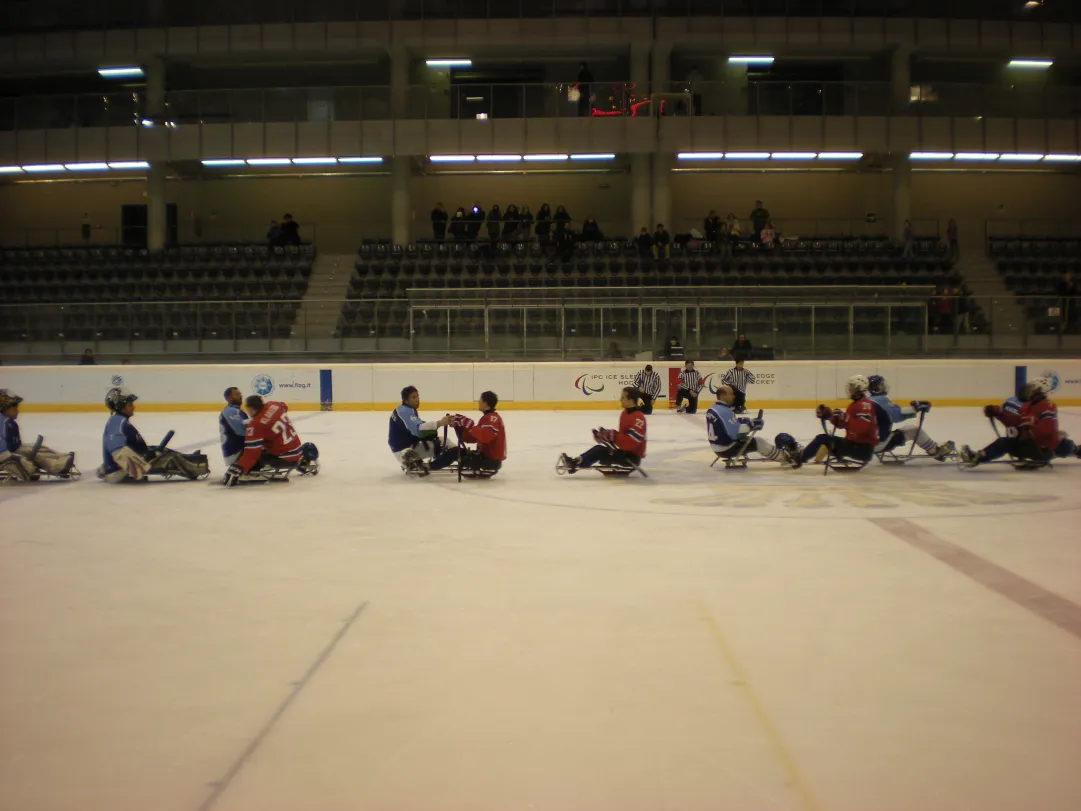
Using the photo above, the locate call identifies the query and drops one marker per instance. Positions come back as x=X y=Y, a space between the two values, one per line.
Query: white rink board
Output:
x=363 y=386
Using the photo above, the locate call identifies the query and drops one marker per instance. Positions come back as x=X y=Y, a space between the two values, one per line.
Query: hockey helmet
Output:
x=857 y=386
x=1033 y=390
x=8 y=399
x=117 y=398
x=876 y=384
x=785 y=441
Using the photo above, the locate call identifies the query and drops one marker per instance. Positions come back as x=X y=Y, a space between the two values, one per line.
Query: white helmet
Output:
x=857 y=384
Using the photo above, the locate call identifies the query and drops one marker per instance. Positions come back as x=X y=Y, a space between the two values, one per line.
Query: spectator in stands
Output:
x=1068 y=292
x=85 y=230
x=544 y=222
x=525 y=224
x=908 y=237
x=712 y=227
x=613 y=352
x=694 y=87
x=290 y=230
x=960 y=309
x=591 y=232
x=459 y=226
x=759 y=220
x=661 y=242
x=953 y=250
x=735 y=229
x=439 y=223
x=510 y=223
x=674 y=350
x=476 y=219
x=564 y=242
x=769 y=236
x=742 y=348
x=274 y=235
x=945 y=312
x=494 y=218
x=561 y=219
x=645 y=243
x=585 y=79
x=87 y=358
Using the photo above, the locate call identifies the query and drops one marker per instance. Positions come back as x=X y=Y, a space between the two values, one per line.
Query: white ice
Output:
x=895 y=639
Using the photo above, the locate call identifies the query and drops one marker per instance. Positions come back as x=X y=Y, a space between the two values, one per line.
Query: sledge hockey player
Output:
x=1037 y=430
x=489 y=435
x=623 y=448
x=859 y=422
x=18 y=461
x=127 y=456
x=888 y=414
x=271 y=445
x=412 y=440
x=727 y=433
x=1066 y=448
x=232 y=423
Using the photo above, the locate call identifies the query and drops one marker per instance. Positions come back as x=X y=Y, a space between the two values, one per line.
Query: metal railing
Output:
x=553 y=323
x=27 y=15
x=199 y=230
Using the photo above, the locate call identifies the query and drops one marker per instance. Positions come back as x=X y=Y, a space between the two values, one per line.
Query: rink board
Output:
x=377 y=386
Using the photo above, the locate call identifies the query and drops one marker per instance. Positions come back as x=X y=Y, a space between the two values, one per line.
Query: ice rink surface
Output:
x=900 y=639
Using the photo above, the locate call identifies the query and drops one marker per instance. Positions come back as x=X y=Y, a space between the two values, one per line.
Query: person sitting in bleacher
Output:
x=645 y=243
x=591 y=231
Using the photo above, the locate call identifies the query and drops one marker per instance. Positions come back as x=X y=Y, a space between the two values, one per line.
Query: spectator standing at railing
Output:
x=759 y=219
x=645 y=243
x=510 y=223
x=87 y=358
x=476 y=219
x=742 y=348
x=274 y=235
x=591 y=232
x=494 y=218
x=290 y=230
x=694 y=87
x=585 y=80
x=85 y=230
x=439 y=222
x=459 y=225
x=661 y=242
x=1068 y=292
x=544 y=222
x=954 y=251
x=525 y=224
x=561 y=219
x=711 y=226
x=908 y=235
x=960 y=309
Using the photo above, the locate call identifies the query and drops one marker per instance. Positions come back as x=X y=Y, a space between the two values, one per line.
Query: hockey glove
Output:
x=823 y=412
x=837 y=417
x=754 y=423
x=605 y=436
x=232 y=476
x=921 y=406
x=461 y=421
x=990 y=411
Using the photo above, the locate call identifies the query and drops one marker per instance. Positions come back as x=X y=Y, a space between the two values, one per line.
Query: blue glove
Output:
x=921 y=406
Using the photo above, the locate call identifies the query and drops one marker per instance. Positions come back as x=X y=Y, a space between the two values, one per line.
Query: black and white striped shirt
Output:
x=738 y=379
x=690 y=381
x=648 y=383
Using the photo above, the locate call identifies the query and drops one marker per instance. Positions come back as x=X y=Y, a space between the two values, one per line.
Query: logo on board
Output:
x=262 y=385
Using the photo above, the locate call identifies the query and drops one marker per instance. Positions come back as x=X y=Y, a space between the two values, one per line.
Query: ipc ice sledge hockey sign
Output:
x=594 y=382
x=583 y=386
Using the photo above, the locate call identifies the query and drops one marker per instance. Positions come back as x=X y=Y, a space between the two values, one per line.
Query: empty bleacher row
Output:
x=1011 y=247
x=1035 y=280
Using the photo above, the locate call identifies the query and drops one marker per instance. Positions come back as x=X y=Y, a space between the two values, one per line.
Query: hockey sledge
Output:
x=70 y=475
x=1015 y=462
x=609 y=471
x=740 y=458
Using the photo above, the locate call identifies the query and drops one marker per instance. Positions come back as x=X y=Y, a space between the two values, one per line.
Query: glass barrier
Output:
x=552 y=325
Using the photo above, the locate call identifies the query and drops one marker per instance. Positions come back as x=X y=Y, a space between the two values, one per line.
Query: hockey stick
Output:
x=458 y=432
x=919 y=427
x=33 y=457
x=829 y=449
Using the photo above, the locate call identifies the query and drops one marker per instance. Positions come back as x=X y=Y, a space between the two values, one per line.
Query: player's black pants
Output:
x=604 y=455
x=1018 y=448
x=839 y=447
x=470 y=460
x=647 y=403
x=739 y=404
x=690 y=397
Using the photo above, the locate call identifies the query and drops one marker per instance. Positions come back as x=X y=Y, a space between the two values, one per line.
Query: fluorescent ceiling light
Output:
x=700 y=156
x=1031 y=64
x=747 y=156
x=750 y=60
x=1021 y=157
x=976 y=156
x=449 y=63
x=474 y=98
x=224 y=162
x=10 y=170
x=131 y=72
x=313 y=161
x=545 y=157
x=794 y=156
x=268 y=161
x=840 y=156
x=499 y=158
x=130 y=165
x=451 y=158
x=86 y=167
x=44 y=167
x=1062 y=158
x=147 y=122
x=594 y=156
x=364 y=159
x=930 y=156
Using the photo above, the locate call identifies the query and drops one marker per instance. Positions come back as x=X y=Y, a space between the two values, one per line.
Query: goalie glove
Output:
x=920 y=406
x=823 y=412
x=605 y=436
x=461 y=421
x=232 y=476
x=990 y=411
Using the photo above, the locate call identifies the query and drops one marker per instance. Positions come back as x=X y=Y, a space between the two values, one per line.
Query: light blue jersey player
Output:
x=728 y=434
x=232 y=422
x=411 y=439
x=889 y=414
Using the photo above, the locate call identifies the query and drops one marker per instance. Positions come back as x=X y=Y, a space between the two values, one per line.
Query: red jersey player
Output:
x=1036 y=425
x=623 y=448
x=270 y=444
x=859 y=422
x=489 y=435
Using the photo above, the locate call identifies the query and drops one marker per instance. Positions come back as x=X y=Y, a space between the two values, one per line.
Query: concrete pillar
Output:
x=733 y=89
x=902 y=194
x=155 y=206
x=641 y=194
x=662 y=194
x=661 y=66
x=401 y=207
x=640 y=69
x=155 y=87
x=900 y=79
x=400 y=63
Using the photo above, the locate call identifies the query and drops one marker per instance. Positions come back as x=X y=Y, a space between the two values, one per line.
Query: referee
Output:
x=738 y=378
x=689 y=386
x=648 y=384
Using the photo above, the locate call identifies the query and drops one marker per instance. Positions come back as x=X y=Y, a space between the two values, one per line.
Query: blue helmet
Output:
x=876 y=384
